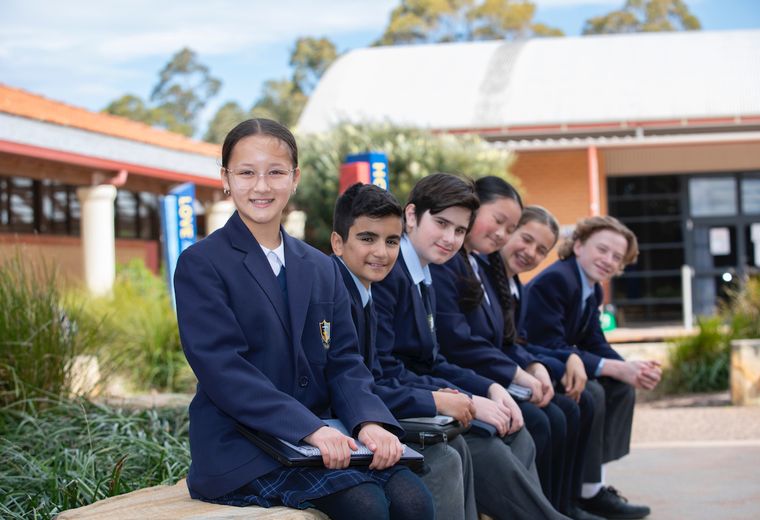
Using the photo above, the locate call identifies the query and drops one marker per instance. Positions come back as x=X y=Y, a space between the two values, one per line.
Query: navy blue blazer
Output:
x=405 y=342
x=257 y=367
x=471 y=339
x=552 y=317
x=401 y=399
x=553 y=360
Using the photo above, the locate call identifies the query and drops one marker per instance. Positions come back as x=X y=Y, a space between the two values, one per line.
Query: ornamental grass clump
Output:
x=142 y=328
x=40 y=336
x=59 y=454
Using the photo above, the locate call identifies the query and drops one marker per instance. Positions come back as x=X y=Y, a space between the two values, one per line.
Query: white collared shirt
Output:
x=364 y=293
x=476 y=269
x=416 y=271
x=276 y=256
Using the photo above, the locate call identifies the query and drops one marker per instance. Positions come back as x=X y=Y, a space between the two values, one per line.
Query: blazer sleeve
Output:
x=352 y=389
x=460 y=343
x=215 y=345
x=544 y=317
x=388 y=302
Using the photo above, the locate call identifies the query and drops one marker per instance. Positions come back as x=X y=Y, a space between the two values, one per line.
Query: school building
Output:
x=661 y=130
x=81 y=189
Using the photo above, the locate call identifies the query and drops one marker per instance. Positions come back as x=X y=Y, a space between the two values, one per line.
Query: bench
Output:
x=174 y=503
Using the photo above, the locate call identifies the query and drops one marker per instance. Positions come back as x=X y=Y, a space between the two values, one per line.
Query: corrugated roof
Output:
x=21 y=103
x=544 y=81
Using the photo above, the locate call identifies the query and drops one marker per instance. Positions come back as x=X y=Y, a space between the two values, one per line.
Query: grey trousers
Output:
x=610 y=436
x=506 y=482
x=450 y=479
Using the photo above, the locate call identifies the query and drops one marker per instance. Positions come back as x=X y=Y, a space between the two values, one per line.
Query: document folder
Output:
x=303 y=454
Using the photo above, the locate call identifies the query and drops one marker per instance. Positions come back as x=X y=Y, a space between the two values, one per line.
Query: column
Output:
x=98 y=241
x=217 y=214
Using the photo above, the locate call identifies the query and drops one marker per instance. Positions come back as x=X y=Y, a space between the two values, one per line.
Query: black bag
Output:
x=431 y=430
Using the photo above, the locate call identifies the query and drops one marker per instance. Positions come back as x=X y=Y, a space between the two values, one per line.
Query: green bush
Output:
x=75 y=453
x=412 y=154
x=141 y=328
x=743 y=310
x=40 y=334
x=699 y=363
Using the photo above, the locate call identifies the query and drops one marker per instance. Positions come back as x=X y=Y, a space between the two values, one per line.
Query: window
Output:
x=51 y=208
x=712 y=196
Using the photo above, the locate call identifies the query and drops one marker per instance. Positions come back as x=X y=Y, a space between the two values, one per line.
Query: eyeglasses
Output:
x=275 y=178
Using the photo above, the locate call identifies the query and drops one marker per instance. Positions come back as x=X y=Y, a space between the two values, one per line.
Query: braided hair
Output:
x=488 y=189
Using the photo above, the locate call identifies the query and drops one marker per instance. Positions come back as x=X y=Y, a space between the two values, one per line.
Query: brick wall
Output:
x=558 y=180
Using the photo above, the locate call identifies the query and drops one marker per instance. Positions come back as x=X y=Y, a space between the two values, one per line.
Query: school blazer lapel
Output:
x=258 y=266
x=427 y=341
x=299 y=274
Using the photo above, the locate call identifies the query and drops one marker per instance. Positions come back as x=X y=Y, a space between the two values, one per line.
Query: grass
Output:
x=61 y=454
x=141 y=329
x=40 y=335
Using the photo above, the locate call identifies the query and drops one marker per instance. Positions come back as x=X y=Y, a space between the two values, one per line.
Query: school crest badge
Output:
x=324 y=331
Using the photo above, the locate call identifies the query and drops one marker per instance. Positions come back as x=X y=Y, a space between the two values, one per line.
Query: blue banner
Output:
x=178 y=226
x=378 y=167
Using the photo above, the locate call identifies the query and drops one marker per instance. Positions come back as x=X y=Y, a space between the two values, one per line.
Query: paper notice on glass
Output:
x=754 y=232
x=720 y=241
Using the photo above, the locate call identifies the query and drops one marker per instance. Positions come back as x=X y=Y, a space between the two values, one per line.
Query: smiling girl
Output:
x=265 y=324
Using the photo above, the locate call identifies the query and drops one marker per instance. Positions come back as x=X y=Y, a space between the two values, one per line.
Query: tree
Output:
x=644 y=16
x=280 y=100
x=431 y=21
x=310 y=59
x=184 y=87
x=131 y=107
x=284 y=99
x=412 y=154
x=225 y=119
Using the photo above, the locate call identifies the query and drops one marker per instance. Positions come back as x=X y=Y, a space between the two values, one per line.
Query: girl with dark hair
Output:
x=265 y=324
x=471 y=331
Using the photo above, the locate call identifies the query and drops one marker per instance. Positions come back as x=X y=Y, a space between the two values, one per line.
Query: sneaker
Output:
x=609 y=503
x=576 y=513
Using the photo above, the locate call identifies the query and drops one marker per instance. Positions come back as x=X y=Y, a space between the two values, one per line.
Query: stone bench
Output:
x=745 y=372
x=174 y=503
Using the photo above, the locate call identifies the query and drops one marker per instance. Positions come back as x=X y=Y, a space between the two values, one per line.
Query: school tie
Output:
x=284 y=288
x=588 y=309
x=428 y=304
x=369 y=325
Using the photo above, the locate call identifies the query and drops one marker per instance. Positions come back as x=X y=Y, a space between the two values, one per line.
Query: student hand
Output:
x=335 y=447
x=525 y=379
x=575 y=377
x=450 y=402
x=492 y=413
x=539 y=371
x=649 y=374
x=499 y=394
x=385 y=446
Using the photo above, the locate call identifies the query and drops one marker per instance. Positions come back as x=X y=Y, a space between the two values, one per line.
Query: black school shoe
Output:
x=576 y=513
x=609 y=503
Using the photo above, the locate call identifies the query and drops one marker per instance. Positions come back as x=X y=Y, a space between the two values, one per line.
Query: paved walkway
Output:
x=693 y=458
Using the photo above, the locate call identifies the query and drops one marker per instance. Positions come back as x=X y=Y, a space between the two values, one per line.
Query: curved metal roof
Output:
x=544 y=81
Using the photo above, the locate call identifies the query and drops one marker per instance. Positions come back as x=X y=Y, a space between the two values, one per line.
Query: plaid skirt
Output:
x=294 y=487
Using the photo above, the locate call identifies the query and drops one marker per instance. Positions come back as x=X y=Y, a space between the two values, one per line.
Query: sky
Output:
x=88 y=53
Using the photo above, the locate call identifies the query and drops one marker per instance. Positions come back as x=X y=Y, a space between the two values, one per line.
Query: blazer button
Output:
x=303 y=381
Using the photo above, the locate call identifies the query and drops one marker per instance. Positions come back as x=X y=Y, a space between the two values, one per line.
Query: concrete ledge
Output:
x=174 y=503
x=745 y=372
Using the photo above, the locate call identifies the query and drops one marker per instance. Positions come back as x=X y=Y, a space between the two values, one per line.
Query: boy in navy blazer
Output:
x=365 y=240
x=561 y=312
